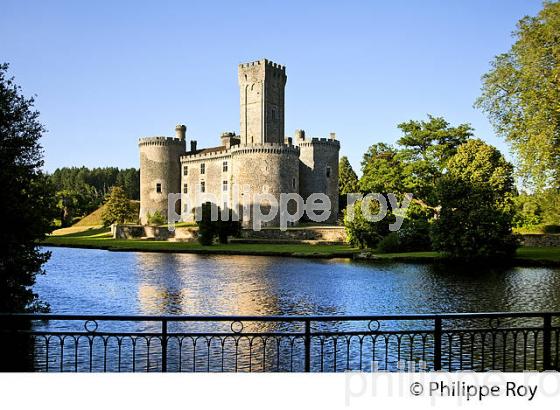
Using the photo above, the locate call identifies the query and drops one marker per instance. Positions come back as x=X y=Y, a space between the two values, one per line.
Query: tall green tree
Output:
x=426 y=147
x=476 y=200
x=27 y=202
x=382 y=170
x=118 y=208
x=347 y=178
x=521 y=96
x=347 y=182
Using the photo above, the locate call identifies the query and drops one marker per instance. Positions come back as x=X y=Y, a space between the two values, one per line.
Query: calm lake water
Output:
x=84 y=281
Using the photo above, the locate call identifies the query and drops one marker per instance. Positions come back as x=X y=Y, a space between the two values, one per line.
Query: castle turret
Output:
x=262 y=86
x=180 y=131
x=228 y=139
x=318 y=168
x=160 y=172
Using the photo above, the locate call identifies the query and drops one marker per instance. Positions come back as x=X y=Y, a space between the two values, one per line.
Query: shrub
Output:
x=551 y=229
x=206 y=228
x=156 y=218
x=390 y=244
x=227 y=228
x=222 y=228
x=363 y=233
x=414 y=236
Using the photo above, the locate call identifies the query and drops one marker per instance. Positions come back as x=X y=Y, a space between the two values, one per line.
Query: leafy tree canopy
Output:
x=475 y=197
x=417 y=162
x=27 y=203
x=426 y=148
x=118 y=208
x=382 y=170
x=521 y=96
x=347 y=178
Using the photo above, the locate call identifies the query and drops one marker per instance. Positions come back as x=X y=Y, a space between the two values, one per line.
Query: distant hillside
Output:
x=94 y=219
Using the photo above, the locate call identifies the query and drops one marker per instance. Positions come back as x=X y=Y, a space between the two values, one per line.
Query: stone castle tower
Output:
x=261 y=102
x=260 y=158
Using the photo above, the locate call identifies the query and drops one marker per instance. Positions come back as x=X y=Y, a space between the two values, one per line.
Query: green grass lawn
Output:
x=100 y=238
x=532 y=253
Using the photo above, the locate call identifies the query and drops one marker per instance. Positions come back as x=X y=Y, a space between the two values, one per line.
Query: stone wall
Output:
x=319 y=233
x=159 y=233
x=332 y=234
x=213 y=178
x=541 y=240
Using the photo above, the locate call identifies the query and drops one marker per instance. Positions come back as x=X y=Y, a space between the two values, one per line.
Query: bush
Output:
x=156 y=218
x=208 y=229
x=390 y=244
x=414 y=236
x=551 y=229
x=363 y=233
x=227 y=228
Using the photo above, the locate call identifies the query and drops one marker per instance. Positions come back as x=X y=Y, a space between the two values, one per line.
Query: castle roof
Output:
x=209 y=150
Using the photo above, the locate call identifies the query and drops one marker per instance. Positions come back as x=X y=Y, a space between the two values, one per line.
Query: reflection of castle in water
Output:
x=197 y=285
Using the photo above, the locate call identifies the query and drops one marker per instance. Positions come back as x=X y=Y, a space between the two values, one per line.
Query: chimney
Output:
x=332 y=136
x=193 y=145
x=300 y=135
x=180 y=131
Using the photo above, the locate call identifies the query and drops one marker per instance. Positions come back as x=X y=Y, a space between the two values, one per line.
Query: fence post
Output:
x=547 y=330
x=437 y=343
x=164 y=345
x=307 y=345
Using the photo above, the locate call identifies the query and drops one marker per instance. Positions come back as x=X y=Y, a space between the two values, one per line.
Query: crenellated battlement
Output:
x=205 y=155
x=160 y=141
x=266 y=148
x=264 y=62
x=323 y=142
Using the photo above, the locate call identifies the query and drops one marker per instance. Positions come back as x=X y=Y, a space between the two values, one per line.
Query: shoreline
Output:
x=280 y=250
x=529 y=257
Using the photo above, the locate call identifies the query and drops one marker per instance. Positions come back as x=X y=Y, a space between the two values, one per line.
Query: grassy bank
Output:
x=100 y=238
x=526 y=256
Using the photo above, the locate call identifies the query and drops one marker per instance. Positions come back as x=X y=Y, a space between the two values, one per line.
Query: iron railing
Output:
x=460 y=341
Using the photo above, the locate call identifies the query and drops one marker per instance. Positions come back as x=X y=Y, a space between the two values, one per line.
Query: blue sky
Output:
x=107 y=73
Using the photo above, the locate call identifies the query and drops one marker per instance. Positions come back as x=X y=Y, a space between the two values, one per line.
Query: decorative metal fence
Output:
x=97 y=343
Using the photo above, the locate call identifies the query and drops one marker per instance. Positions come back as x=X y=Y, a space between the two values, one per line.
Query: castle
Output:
x=260 y=158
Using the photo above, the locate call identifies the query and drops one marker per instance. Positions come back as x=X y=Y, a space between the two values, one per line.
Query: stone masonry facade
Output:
x=260 y=159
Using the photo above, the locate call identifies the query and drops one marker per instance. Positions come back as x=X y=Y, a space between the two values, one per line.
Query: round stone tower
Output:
x=160 y=172
x=266 y=168
x=318 y=171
